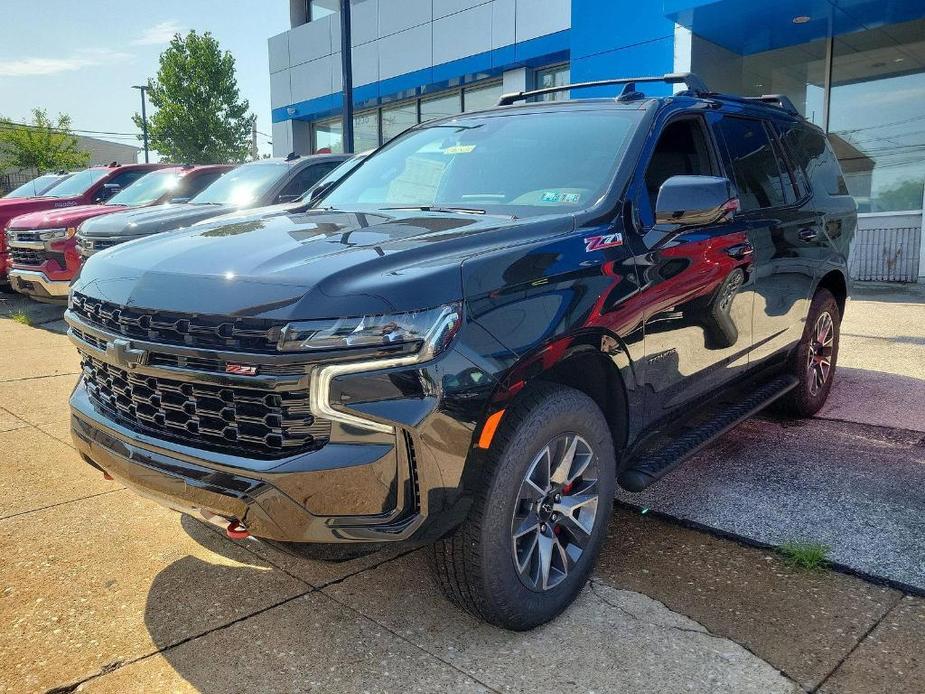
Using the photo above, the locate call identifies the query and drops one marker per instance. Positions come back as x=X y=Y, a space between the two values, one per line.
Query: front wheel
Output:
x=813 y=361
x=539 y=518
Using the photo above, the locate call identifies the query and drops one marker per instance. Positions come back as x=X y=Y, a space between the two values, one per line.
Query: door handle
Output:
x=808 y=234
x=740 y=251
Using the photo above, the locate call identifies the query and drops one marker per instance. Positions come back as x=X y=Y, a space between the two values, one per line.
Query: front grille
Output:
x=191 y=330
x=180 y=361
x=24 y=235
x=215 y=417
x=27 y=256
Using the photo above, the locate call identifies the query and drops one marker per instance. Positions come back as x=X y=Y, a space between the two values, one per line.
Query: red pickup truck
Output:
x=88 y=187
x=42 y=245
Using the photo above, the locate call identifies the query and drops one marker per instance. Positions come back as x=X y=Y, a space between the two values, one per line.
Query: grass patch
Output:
x=811 y=556
x=21 y=317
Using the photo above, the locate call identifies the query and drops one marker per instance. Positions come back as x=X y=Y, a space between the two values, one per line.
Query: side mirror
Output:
x=107 y=191
x=692 y=201
x=319 y=191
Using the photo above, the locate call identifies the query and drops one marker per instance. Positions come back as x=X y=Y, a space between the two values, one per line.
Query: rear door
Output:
x=698 y=285
x=781 y=226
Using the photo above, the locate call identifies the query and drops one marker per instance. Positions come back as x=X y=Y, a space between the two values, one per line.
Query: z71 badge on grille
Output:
x=241 y=369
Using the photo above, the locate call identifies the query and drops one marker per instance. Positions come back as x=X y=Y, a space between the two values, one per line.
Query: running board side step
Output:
x=659 y=463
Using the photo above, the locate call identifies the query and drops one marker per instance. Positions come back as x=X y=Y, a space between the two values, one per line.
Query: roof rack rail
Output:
x=778 y=100
x=694 y=84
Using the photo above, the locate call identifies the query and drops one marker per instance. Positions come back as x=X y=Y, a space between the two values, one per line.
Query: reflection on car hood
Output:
x=253 y=213
x=64 y=217
x=317 y=264
x=151 y=220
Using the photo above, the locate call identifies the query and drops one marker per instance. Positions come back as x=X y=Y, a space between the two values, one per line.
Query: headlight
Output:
x=57 y=234
x=427 y=332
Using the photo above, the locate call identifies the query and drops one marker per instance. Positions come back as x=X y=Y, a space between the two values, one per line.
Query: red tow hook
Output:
x=236 y=531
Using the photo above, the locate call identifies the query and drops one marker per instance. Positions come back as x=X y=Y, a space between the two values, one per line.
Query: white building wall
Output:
x=393 y=37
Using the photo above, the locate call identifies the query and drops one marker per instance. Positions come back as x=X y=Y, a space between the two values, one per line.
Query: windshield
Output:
x=243 y=185
x=147 y=189
x=35 y=187
x=334 y=175
x=520 y=164
x=77 y=184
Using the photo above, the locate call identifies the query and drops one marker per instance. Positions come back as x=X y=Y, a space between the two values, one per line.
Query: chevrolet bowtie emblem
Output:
x=121 y=353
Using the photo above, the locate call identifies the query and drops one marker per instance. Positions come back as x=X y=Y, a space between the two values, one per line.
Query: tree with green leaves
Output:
x=200 y=116
x=43 y=144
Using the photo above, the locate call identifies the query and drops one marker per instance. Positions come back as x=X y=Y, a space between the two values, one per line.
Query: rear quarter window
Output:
x=810 y=150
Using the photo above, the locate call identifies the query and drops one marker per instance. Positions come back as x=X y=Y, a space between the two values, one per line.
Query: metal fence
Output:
x=886 y=255
x=13 y=179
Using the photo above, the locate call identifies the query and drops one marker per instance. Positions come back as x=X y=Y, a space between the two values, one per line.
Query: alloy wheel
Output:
x=555 y=512
x=819 y=357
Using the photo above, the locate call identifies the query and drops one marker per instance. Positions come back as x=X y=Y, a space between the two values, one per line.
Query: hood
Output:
x=18 y=206
x=144 y=221
x=63 y=217
x=316 y=264
x=253 y=213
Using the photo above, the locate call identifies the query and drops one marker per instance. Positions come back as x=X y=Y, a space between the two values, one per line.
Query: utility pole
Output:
x=347 y=73
x=144 y=118
x=255 y=153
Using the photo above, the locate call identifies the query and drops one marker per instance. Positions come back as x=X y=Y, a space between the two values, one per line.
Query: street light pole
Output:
x=144 y=118
x=347 y=74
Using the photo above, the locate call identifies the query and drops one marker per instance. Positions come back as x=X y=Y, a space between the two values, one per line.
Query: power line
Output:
x=12 y=125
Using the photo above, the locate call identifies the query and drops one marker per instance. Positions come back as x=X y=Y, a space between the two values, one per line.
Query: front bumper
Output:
x=362 y=486
x=299 y=501
x=35 y=283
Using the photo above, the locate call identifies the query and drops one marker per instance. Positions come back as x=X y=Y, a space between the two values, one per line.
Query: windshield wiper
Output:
x=434 y=208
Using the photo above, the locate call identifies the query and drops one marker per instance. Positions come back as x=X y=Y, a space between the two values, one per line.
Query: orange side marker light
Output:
x=488 y=431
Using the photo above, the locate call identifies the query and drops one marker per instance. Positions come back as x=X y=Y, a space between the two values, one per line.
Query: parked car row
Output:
x=49 y=234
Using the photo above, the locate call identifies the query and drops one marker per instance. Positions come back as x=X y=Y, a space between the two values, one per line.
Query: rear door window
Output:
x=759 y=176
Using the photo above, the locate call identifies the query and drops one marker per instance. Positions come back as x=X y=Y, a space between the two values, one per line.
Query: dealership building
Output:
x=856 y=68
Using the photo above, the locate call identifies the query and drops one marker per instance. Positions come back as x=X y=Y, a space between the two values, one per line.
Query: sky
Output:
x=82 y=58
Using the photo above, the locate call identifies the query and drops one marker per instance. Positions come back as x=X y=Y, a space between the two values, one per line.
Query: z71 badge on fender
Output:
x=597 y=243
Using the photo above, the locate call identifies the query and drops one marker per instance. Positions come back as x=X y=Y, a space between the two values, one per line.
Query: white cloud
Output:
x=159 y=34
x=33 y=66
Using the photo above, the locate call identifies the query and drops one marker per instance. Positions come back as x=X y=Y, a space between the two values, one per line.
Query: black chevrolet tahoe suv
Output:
x=496 y=319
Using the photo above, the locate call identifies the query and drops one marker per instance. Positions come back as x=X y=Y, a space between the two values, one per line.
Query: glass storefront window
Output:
x=477 y=98
x=553 y=77
x=328 y=136
x=795 y=71
x=365 y=131
x=396 y=119
x=877 y=115
x=440 y=106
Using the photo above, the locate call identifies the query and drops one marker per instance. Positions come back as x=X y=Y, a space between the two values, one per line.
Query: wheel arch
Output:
x=835 y=282
x=579 y=363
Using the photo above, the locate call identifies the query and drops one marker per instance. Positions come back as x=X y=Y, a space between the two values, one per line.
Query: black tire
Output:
x=475 y=566
x=810 y=395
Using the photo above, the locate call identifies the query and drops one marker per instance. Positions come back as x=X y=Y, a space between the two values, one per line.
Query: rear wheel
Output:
x=813 y=361
x=540 y=517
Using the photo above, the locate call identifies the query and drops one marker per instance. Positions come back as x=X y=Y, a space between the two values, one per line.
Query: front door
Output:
x=699 y=284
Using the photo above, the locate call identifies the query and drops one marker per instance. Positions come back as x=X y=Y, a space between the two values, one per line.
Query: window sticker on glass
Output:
x=459 y=149
x=550 y=196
